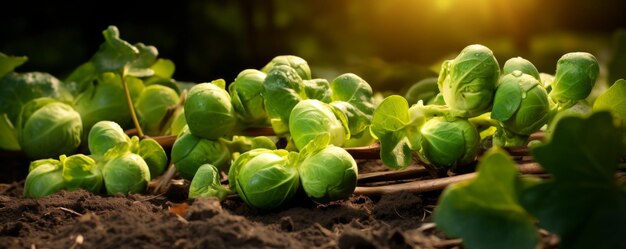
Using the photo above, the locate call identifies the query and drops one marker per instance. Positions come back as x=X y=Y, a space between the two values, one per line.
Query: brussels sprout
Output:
x=328 y=175
x=318 y=89
x=520 y=64
x=241 y=144
x=206 y=183
x=283 y=90
x=126 y=173
x=19 y=88
x=80 y=171
x=300 y=66
x=104 y=135
x=48 y=128
x=152 y=107
x=425 y=90
x=357 y=121
x=247 y=97
x=264 y=178
x=352 y=89
x=467 y=83
x=190 y=152
x=105 y=100
x=45 y=177
x=521 y=103
x=154 y=155
x=48 y=176
x=576 y=74
x=209 y=112
x=448 y=143
x=178 y=122
x=310 y=119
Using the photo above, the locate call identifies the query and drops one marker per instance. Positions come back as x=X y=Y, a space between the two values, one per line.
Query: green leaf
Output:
x=614 y=100
x=79 y=171
x=388 y=125
x=206 y=183
x=507 y=100
x=163 y=68
x=140 y=67
x=8 y=134
x=485 y=211
x=582 y=203
x=9 y=63
x=114 y=53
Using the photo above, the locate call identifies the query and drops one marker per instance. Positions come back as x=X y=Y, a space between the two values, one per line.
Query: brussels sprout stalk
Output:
x=129 y=101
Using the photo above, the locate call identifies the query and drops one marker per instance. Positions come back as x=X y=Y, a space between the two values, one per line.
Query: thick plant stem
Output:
x=131 y=107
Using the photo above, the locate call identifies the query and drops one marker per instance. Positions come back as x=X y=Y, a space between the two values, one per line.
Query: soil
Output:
x=80 y=219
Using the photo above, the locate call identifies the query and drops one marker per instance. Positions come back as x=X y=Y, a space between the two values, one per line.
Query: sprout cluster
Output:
x=477 y=101
x=119 y=163
x=267 y=179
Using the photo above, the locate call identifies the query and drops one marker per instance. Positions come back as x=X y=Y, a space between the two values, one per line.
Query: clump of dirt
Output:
x=84 y=220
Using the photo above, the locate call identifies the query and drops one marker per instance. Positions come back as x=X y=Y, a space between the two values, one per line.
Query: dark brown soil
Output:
x=83 y=220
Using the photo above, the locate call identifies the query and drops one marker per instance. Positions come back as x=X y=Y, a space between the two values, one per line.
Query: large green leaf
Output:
x=485 y=211
x=614 y=100
x=582 y=203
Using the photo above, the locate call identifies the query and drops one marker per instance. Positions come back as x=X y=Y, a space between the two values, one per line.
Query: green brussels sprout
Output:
x=206 y=183
x=104 y=135
x=425 y=90
x=283 y=90
x=209 y=112
x=328 y=175
x=310 y=119
x=19 y=88
x=448 y=143
x=467 y=83
x=154 y=155
x=437 y=100
x=241 y=144
x=300 y=66
x=178 y=122
x=521 y=103
x=352 y=89
x=48 y=128
x=520 y=64
x=80 y=171
x=318 y=89
x=357 y=121
x=48 y=176
x=189 y=152
x=247 y=97
x=125 y=173
x=152 y=107
x=45 y=177
x=264 y=178
x=576 y=74
x=105 y=100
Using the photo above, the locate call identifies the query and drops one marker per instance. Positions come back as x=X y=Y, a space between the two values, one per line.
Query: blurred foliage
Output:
x=391 y=44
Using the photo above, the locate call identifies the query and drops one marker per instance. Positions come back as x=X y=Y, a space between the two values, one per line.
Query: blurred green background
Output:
x=391 y=44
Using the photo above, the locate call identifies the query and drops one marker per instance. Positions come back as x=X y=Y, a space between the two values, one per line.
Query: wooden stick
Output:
x=434 y=184
x=411 y=171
